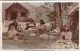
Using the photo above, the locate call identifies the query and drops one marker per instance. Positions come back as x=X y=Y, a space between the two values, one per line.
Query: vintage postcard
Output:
x=42 y=25
x=28 y=0
x=40 y=0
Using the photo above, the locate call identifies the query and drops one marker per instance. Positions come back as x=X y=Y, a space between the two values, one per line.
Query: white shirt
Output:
x=68 y=35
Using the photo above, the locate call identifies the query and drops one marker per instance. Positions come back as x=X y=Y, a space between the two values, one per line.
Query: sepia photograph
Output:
x=40 y=0
x=40 y=25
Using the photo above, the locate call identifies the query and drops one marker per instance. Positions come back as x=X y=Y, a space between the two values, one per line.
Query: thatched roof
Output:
x=25 y=5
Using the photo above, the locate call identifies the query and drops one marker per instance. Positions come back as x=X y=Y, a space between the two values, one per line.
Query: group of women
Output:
x=15 y=31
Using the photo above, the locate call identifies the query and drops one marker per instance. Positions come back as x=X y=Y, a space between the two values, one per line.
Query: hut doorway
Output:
x=13 y=15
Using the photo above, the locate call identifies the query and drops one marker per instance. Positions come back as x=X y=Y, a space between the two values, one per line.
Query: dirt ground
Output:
x=31 y=43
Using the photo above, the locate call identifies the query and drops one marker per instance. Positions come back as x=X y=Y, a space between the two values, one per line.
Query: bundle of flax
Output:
x=61 y=44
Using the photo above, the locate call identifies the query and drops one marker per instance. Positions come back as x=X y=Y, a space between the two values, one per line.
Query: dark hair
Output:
x=10 y=26
x=42 y=22
x=31 y=20
x=65 y=30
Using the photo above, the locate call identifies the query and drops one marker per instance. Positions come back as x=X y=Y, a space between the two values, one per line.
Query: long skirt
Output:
x=20 y=36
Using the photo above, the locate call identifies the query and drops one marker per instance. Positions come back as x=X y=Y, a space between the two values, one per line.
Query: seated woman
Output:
x=30 y=27
x=66 y=34
x=65 y=40
x=11 y=32
x=31 y=23
x=55 y=29
x=14 y=33
x=41 y=27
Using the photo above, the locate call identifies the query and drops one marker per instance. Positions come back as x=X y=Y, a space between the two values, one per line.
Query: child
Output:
x=66 y=34
x=41 y=27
